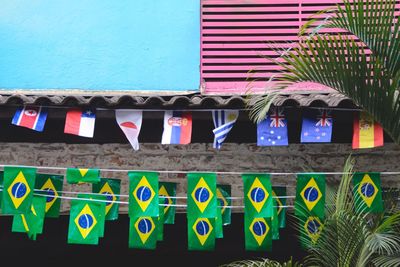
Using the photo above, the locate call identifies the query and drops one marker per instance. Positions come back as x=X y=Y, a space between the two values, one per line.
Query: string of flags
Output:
x=316 y=127
x=152 y=204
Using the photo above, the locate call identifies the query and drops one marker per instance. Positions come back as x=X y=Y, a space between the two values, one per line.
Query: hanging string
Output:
x=127 y=203
x=189 y=171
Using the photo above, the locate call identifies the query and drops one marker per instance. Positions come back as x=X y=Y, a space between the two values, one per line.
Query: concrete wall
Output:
x=100 y=44
x=202 y=157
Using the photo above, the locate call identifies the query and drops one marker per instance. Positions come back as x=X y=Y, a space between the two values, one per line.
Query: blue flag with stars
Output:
x=273 y=130
x=317 y=126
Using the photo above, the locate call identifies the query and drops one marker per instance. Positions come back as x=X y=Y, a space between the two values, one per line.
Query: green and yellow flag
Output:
x=219 y=228
x=32 y=222
x=311 y=230
x=101 y=200
x=201 y=195
x=275 y=222
x=110 y=188
x=52 y=186
x=143 y=194
x=76 y=175
x=85 y=222
x=1 y=188
x=258 y=233
x=160 y=223
x=167 y=194
x=19 y=184
x=368 y=192
x=310 y=195
x=279 y=193
x=143 y=232
x=257 y=195
x=224 y=201
x=201 y=233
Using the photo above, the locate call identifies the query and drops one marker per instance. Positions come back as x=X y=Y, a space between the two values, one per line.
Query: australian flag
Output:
x=273 y=130
x=317 y=127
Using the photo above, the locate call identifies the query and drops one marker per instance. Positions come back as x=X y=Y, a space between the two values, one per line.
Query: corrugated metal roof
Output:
x=192 y=101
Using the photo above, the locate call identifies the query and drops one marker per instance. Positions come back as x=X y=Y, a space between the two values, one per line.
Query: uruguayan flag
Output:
x=223 y=122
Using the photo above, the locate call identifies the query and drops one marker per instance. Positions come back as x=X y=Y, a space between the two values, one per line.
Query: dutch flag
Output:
x=30 y=117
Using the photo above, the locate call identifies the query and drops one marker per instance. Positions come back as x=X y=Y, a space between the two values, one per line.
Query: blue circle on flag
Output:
x=259 y=228
x=313 y=226
x=144 y=226
x=367 y=189
x=50 y=194
x=202 y=194
x=109 y=198
x=311 y=194
x=202 y=227
x=85 y=221
x=18 y=190
x=257 y=194
x=143 y=193
x=221 y=202
x=165 y=199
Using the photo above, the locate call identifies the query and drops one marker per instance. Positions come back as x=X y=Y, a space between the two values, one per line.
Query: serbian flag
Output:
x=366 y=132
x=30 y=117
x=130 y=122
x=177 y=127
x=80 y=122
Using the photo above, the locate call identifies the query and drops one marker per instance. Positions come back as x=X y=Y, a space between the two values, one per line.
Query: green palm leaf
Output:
x=368 y=71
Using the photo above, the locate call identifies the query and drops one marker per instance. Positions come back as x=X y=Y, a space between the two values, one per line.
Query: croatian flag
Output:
x=223 y=122
x=80 y=122
x=317 y=127
x=273 y=130
x=177 y=127
x=130 y=122
x=30 y=117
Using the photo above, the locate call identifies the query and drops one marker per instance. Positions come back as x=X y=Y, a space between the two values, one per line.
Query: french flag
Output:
x=30 y=117
x=80 y=122
x=177 y=127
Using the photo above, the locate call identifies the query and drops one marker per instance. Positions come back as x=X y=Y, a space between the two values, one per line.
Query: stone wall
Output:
x=202 y=157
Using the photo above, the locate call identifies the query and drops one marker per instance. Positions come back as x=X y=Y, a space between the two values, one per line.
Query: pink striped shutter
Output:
x=235 y=34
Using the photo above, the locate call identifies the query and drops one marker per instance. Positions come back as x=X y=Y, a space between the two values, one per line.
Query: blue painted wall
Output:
x=100 y=44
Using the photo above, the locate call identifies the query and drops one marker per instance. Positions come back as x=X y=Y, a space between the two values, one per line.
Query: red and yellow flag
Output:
x=367 y=133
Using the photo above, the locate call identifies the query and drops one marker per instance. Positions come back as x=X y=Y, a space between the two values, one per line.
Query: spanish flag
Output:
x=367 y=133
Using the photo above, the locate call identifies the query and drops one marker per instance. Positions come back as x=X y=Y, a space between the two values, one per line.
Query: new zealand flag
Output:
x=273 y=130
x=317 y=127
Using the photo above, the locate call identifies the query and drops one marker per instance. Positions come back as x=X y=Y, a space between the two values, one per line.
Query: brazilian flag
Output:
x=275 y=222
x=257 y=195
x=224 y=200
x=19 y=184
x=310 y=195
x=111 y=189
x=167 y=194
x=257 y=233
x=143 y=194
x=201 y=195
x=219 y=228
x=102 y=201
x=84 y=222
x=1 y=188
x=279 y=193
x=76 y=175
x=160 y=223
x=201 y=233
x=52 y=186
x=32 y=222
x=368 y=192
x=143 y=232
x=311 y=230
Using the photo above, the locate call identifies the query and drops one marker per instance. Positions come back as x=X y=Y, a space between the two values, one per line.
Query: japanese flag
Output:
x=130 y=122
